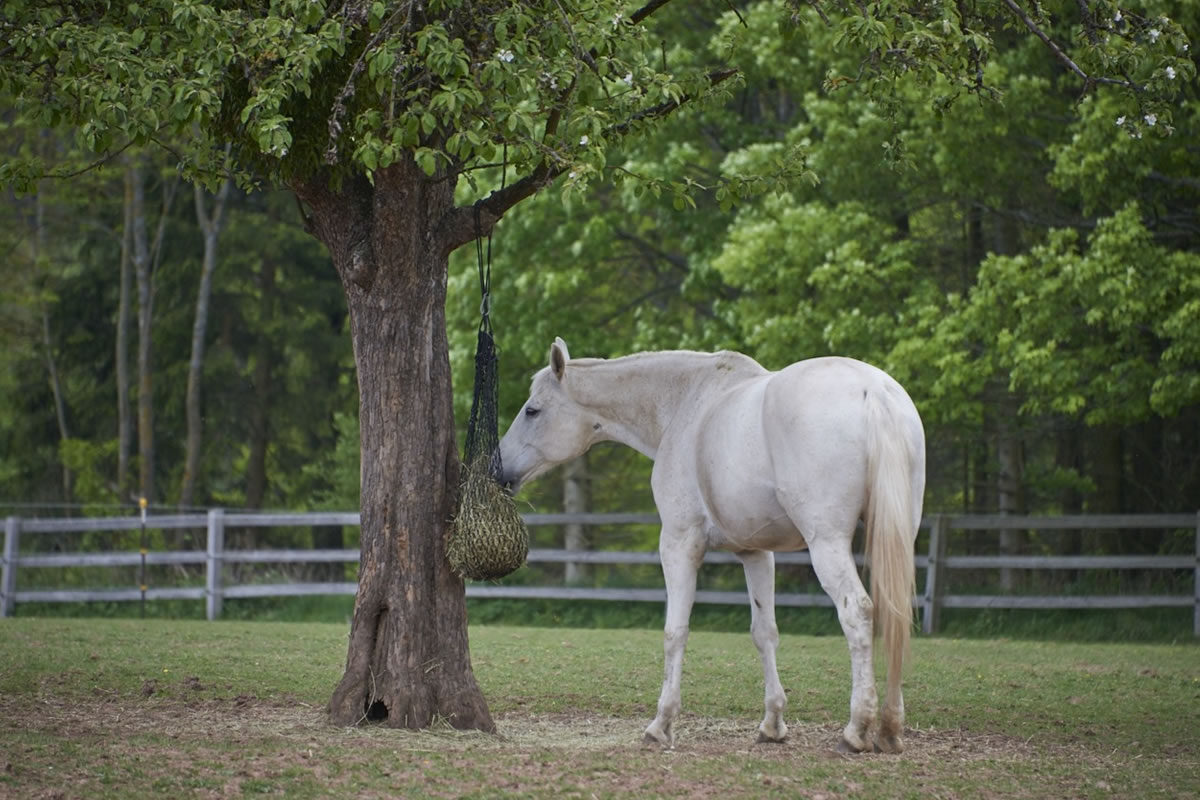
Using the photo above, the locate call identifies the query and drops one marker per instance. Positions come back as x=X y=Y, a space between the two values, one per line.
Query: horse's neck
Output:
x=639 y=396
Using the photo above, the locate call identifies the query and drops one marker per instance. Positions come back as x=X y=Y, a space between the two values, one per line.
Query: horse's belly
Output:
x=740 y=495
x=776 y=535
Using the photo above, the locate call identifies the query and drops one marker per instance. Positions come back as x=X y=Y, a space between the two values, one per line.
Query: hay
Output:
x=488 y=539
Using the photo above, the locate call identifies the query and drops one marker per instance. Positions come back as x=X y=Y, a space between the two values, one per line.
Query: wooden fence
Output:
x=935 y=562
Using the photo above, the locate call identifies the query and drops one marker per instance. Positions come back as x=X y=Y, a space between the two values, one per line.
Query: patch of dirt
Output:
x=229 y=746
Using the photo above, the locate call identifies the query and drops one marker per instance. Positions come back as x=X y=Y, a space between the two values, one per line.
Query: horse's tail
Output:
x=892 y=517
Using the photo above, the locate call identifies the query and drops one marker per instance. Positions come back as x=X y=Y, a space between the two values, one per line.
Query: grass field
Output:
x=139 y=709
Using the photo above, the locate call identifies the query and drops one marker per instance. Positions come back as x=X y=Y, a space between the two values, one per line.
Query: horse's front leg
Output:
x=681 y=555
x=760 y=585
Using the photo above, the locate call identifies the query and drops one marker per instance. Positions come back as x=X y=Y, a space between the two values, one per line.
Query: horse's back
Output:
x=819 y=406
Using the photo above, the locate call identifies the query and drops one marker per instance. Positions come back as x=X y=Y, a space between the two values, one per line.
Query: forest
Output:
x=1025 y=260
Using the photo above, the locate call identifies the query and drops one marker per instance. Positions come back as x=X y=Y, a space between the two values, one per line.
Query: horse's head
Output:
x=550 y=429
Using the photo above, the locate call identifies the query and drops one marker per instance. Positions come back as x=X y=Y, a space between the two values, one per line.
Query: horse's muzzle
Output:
x=508 y=483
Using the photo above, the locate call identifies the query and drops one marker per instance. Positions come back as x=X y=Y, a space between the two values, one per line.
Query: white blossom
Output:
x=617 y=19
x=628 y=79
x=583 y=140
x=1153 y=33
x=505 y=55
x=1117 y=17
x=1120 y=120
x=1171 y=73
x=1151 y=119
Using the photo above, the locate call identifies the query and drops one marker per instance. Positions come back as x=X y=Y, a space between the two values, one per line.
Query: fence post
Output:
x=1196 y=584
x=931 y=616
x=8 y=576
x=216 y=547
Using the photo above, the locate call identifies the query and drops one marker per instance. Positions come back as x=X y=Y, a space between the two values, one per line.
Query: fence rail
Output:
x=936 y=563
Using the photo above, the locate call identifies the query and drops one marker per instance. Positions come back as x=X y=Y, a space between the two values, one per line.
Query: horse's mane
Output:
x=722 y=359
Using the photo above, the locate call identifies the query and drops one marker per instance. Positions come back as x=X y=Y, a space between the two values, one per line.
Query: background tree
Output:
x=210 y=222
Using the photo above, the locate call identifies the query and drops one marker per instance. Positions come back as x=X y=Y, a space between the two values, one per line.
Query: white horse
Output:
x=755 y=462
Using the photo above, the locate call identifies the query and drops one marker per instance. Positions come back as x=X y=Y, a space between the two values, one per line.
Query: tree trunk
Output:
x=408 y=662
x=124 y=428
x=145 y=297
x=1008 y=482
x=575 y=500
x=1107 y=453
x=1068 y=455
x=260 y=412
x=210 y=226
x=146 y=257
x=56 y=389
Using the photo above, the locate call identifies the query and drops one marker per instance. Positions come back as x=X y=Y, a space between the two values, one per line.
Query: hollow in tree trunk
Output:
x=408 y=663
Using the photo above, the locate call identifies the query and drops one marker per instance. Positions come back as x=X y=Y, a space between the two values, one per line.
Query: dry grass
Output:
x=97 y=709
x=488 y=538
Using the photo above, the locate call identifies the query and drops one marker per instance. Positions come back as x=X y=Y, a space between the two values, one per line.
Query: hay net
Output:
x=488 y=538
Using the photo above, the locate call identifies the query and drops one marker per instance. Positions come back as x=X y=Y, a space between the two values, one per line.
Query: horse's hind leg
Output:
x=834 y=565
x=760 y=585
x=681 y=556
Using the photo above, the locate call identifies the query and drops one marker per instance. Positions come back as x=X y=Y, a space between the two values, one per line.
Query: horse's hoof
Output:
x=763 y=738
x=889 y=744
x=845 y=747
x=651 y=740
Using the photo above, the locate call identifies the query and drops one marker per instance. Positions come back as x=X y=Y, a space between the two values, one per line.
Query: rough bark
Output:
x=408 y=663
x=210 y=226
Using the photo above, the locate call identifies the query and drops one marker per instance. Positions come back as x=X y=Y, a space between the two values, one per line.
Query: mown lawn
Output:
x=131 y=709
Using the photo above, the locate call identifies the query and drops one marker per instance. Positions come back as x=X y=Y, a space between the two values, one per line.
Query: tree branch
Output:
x=1058 y=51
x=457 y=227
x=647 y=10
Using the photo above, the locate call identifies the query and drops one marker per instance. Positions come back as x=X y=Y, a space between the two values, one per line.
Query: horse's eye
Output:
x=530 y=411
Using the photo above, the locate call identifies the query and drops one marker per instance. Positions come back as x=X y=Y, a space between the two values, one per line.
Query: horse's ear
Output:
x=559 y=357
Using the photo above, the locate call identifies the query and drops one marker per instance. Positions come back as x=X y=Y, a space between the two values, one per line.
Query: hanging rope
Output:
x=488 y=538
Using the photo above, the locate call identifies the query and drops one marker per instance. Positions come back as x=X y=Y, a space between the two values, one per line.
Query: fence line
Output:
x=931 y=601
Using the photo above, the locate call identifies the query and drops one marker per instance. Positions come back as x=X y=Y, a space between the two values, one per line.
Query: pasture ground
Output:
x=139 y=709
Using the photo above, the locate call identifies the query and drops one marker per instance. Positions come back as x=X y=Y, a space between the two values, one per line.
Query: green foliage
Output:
x=92 y=465
x=1095 y=332
x=298 y=87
